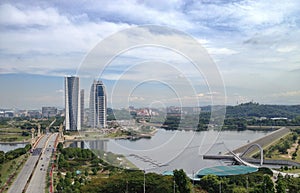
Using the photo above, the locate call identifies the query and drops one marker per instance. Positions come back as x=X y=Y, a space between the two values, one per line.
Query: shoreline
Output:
x=125 y=137
x=13 y=142
x=70 y=138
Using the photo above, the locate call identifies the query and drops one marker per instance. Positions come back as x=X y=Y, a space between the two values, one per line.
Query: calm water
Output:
x=8 y=147
x=168 y=150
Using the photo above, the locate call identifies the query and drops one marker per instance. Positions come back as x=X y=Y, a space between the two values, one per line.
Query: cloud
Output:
x=13 y=16
x=136 y=98
x=287 y=94
x=252 y=42
x=37 y=40
x=287 y=48
x=60 y=91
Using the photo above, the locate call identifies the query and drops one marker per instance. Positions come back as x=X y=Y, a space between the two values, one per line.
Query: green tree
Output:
x=267 y=185
x=210 y=183
x=86 y=172
x=239 y=190
x=60 y=146
x=281 y=186
x=2 y=157
x=182 y=181
x=94 y=170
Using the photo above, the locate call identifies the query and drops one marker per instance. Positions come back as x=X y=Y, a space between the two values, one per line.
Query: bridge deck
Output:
x=264 y=141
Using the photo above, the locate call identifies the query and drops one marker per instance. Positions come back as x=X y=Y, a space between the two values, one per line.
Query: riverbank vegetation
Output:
x=10 y=164
x=81 y=171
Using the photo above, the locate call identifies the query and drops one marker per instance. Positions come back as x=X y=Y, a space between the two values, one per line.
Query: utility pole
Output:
x=174 y=185
x=193 y=180
x=247 y=184
x=144 y=181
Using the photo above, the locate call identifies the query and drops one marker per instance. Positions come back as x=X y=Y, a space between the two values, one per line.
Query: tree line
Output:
x=10 y=155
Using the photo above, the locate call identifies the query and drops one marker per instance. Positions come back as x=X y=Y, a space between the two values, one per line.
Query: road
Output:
x=39 y=176
x=22 y=178
x=264 y=141
x=38 y=180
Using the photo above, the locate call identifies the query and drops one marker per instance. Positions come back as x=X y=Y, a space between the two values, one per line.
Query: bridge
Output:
x=237 y=158
x=240 y=153
x=263 y=141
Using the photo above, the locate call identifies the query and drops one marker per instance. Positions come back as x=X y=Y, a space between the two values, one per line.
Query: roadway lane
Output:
x=22 y=178
x=264 y=141
x=38 y=181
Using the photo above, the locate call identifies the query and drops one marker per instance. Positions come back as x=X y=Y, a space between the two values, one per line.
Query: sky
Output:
x=253 y=44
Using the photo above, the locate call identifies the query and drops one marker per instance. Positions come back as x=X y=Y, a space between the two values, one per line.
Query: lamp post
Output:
x=174 y=185
x=144 y=181
x=193 y=180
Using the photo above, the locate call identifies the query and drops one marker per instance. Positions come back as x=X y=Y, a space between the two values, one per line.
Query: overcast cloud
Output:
x=255 y=44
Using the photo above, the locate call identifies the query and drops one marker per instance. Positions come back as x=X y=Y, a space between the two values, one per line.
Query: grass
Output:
x=277 y=155
x=13 y=137
x=11 y=167
x=12 y=134
x=10 y=130
x=294 y=171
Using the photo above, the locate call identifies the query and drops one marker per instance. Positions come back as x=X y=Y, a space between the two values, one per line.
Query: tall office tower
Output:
x=82 y=106
x=98 y=104
x=72 y=104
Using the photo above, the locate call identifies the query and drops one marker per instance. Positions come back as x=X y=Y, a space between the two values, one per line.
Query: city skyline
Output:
x=255 y=46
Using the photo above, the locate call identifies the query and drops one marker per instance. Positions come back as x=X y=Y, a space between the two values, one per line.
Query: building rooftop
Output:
x=226 y=170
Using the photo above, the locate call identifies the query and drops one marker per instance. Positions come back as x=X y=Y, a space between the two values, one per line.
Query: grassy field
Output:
x=13 y=135
x=275 y=154
x=11 y=167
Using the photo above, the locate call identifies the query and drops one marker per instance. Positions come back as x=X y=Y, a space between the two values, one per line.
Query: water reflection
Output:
x=93 y=144
x=185 y=150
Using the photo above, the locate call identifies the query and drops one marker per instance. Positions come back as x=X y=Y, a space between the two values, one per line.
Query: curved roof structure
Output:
x=226 y=170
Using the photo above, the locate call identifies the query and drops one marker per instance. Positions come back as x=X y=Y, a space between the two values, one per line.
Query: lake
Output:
x=169 y=150
x=8 y=147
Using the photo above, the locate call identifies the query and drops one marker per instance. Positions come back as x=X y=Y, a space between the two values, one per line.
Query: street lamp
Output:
x=144 y=181
x=174 y=186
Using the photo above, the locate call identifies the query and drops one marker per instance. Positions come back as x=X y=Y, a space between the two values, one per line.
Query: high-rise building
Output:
x=98 y=104
x=72 y=104
x=82 y=106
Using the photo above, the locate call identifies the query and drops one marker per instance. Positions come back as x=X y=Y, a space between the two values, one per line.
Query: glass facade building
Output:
x=98 y=105
x=72 y=104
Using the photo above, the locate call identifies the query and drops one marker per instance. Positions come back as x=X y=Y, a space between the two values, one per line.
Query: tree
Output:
x=94 y=170
x=182 y=181
x=239 y=190
x=2 y=157
x=281 y=186
x=86 y=172
x=268 y=185
x=210 y=183
x=60 y=146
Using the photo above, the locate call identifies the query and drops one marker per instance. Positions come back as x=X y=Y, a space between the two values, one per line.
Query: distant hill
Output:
x=257 y=110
